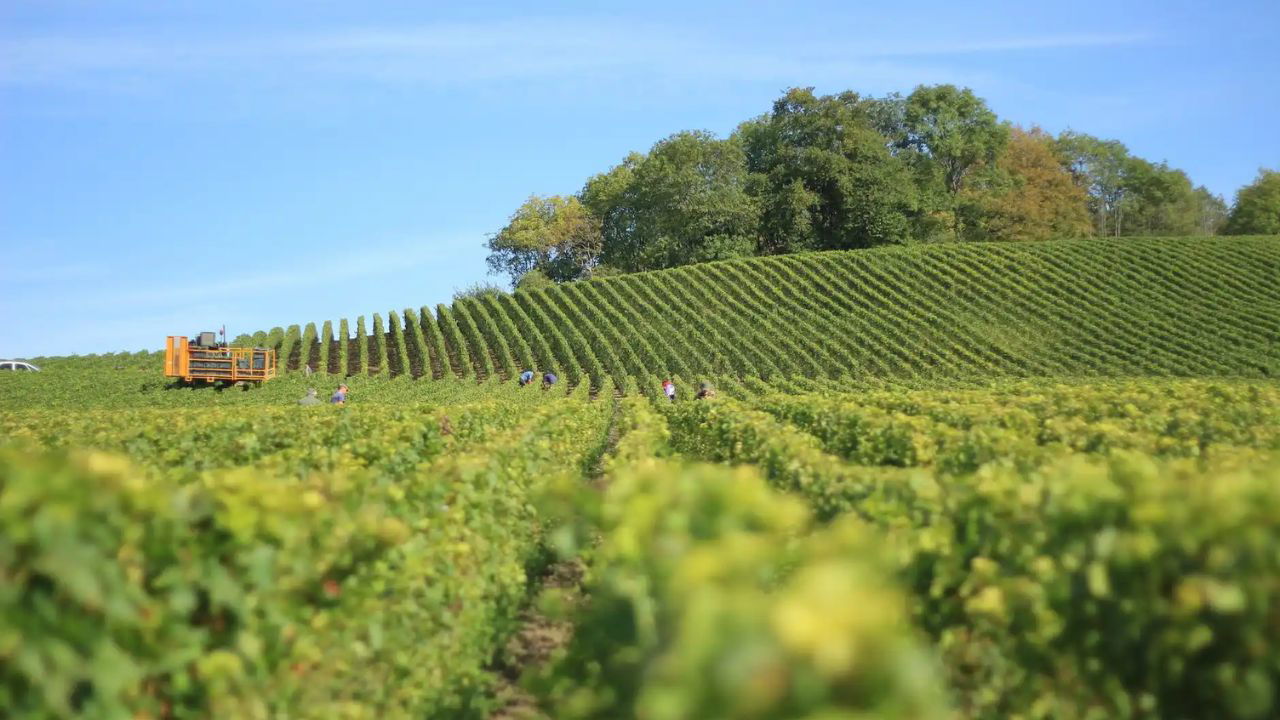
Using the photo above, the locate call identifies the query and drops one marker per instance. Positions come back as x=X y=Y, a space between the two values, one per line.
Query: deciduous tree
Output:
x=1257 y=207
x=1132 y=196
x=1099 y=167
x=955 y=128
x=555 y=235
x=1160 y=201
x=825 y=177
x=685 y=202
x=1034 y=198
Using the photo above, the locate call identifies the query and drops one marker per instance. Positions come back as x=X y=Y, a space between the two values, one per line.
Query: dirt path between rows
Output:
x=538 y=636
x=533 y=644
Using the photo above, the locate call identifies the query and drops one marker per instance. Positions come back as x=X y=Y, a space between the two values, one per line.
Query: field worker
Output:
x=310 y=398
x=669 y=388
x=548 y=380
x=526 y=377
x=340 y=397
x=704 y=392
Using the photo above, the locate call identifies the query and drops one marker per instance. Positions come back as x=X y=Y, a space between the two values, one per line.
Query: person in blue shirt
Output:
x=526 y=377
x=548 y=380
x=339 y=397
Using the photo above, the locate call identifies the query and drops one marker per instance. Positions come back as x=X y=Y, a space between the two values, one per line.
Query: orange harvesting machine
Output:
x=203 y=358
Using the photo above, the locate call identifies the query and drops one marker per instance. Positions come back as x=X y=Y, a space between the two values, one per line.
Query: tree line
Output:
x=844 y=171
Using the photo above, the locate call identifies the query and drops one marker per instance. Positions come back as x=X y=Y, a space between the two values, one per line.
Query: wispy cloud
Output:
x=452 y=53
x=1019 y=44
x=24 y=274
x=318 y=270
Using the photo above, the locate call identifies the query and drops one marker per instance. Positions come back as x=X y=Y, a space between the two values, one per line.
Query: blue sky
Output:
x=168 y=167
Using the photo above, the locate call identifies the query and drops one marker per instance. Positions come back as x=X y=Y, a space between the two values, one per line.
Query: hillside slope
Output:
x=1149 y=306
x=1203 y=306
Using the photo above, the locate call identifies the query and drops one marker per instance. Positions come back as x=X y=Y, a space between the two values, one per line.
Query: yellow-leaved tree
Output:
x=1032 y=196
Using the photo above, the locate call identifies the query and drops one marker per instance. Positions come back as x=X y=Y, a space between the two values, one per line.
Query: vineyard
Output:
x=954 y=481
x=1188 y=307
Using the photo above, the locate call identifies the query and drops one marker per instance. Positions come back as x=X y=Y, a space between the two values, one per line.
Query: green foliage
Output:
x=848 y=171
x=703 y=605
x=955 y=129
x=378 y=353
x=397 y=346
x=1257 y=207
x=1128 y=195
x=130 y=594
x=359 y=359
x=686 y=202
x=1088 y=307
x=417 y=360
x=533 y=280
x=603 y=193
x=476 y=291
x=344 y=348
x=1072 y=549
x=725 y=431
x=455 y=345
x=289 y=353
x=1098 y=307
x=309 y=355
x=1124 y=587
x=824 y=177
x=326 y=345
x=268 y=565
x=434 y=340
x=896 y=545
x=481 y=357
x=556 y=236
x=1160 y=200
x=704 y=601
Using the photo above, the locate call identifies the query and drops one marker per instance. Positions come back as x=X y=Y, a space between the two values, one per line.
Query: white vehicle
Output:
x=18 y=365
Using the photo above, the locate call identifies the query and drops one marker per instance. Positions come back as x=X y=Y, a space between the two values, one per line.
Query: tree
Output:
x=605 y=196
x=1034 y=198
x=1257 y=207
x=1132 y=196
x=555 y=235
x=1160 y=201
x=603 y=193
x=1212 y=212
x=535 y=279
x=686 y=202
x=1099 y=167
x=824 y=176
x=955 y=129
x=477 y=290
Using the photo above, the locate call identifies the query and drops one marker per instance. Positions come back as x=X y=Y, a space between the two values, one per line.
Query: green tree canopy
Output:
x=685 y=202
x=824 y=176
x=603 y=193
x=1160 y=200
x=1132 y=196
x=555 y=235
x=955 y=128
x=1099 y=167
x=477 y=290
x=849 y=171
x=535 y=279
x=1257 y=207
